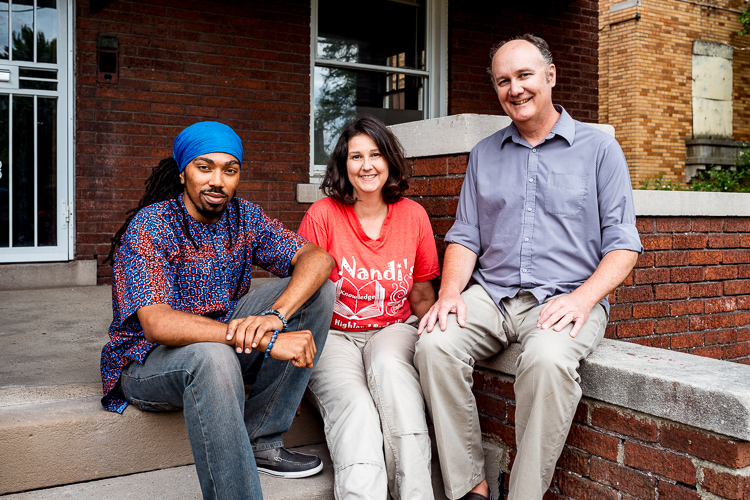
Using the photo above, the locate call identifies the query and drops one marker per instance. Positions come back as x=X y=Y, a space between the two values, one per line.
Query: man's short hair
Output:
x=534 y=40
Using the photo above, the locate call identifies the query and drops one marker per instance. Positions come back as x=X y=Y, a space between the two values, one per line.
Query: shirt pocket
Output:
x=565 y=194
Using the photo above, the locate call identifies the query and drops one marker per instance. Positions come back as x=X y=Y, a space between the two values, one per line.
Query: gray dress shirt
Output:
x=541 y=218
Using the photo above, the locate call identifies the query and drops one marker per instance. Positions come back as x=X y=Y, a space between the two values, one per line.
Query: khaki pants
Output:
x=547 y=388
x=367 y=390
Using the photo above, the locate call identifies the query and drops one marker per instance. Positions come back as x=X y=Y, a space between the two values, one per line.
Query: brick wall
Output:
x=645 y=70
x=689 y=292
x=614 y=453
x=570 y=28
x=246 y=64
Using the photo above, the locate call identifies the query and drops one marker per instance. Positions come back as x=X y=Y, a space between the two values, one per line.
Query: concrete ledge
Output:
x=47 y=275
x=710 y=394
x=74 y=440
x=455 y=134
x=690 y=204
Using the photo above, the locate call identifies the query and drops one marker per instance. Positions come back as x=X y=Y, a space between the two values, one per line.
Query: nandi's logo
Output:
x=368 y=300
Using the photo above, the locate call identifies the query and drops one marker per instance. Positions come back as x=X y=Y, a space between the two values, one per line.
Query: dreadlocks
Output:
x=163 y=184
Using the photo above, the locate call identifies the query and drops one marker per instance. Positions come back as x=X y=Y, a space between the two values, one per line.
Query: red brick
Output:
x=673 y=258
x=737 y=287
x=660 y=462
x=671 y=291
x=618 y=312
x=645 y=225
x=490 y=405
x=623 y=479
x=686 y=307
x=673 y=225
x=671 y=325
x=642 y=276
x=650 y=310
x=705 y=257
x=685 y=341
x=737 y=224
x=659 y=342
x=656 y=241
x=635 y=294
x=735 y=256
x=689 y=241
x=706 y=289
x=478 y=379
x=457 y=164
x=646 y=259
x=669 y=491
x=436 y=165
x=499 y=430
x=635 y=329
x=723 y=240
x=501 y=385
x=713 y=352
x=593 y=441
x=418 y=187
x=721 y=450
x=720 y=337
x=715 y=273
x=574 y=461
x=687 y=274
x=725 y=485
x=724 y=304
x=622 y=422
x=574 y=486
x=745 y=241
x=735 y=351
x=743 y=271
x=708 y=224
x=450 y=186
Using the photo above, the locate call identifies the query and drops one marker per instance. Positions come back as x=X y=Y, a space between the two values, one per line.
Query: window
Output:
x=385 y=58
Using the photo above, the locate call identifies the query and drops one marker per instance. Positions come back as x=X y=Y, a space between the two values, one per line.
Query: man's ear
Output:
x=182 y=177
x=552 y=75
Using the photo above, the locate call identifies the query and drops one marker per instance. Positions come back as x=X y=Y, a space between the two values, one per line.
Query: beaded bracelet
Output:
x=270 y=343
x=277 y=314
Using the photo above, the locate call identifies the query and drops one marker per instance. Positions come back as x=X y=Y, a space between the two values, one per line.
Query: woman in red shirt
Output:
x=365 y=384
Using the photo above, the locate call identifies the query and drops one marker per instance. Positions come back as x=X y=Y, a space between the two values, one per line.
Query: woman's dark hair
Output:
x=163 y=184
x=336 y=180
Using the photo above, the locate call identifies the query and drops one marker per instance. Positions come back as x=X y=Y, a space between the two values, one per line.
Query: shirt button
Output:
x=528 y=209
x=531 y=180
x=525 y=270
x=533 y=150
x=525 y=239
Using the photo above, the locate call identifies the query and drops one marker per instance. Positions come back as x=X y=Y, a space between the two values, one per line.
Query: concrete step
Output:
x=56 y=441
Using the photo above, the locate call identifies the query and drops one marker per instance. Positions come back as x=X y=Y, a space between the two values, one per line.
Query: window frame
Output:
x=435 y=100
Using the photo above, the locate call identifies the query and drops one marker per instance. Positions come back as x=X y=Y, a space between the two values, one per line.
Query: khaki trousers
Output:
x=367 y=391
x=547 y=388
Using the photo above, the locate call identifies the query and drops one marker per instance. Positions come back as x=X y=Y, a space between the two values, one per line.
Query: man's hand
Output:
x=446 y=304
x=248 y=332
x=561 y=311
x=299 y=347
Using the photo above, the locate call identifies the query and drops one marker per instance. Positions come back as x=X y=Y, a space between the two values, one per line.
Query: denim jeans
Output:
x=206 y=380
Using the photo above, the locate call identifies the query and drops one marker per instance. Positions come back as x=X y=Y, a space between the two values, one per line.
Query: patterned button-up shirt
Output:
x=167 y=257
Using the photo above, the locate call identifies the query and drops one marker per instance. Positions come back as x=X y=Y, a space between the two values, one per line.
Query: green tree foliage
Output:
x=744 y=20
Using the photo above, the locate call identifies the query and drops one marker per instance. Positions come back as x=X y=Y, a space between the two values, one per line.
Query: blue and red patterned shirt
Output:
x=167 y=257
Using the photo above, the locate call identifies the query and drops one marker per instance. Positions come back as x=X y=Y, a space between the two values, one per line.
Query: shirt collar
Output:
x=565 y=128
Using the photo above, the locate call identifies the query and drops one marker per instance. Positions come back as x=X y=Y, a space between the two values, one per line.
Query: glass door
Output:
x=35 y=202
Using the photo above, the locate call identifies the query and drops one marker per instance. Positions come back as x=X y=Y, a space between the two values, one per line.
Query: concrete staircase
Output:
x=57 y=442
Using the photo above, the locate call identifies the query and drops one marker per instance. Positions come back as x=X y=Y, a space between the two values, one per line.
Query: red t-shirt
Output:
x=373 y=277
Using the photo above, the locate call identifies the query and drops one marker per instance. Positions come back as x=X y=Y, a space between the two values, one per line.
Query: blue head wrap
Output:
x=205 y=137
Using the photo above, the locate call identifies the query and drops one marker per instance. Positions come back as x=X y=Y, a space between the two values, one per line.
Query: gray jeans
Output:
x=367 y=390
x=547 y=388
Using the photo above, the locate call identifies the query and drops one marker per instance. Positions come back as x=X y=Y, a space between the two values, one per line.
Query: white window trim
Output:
x=436 y=74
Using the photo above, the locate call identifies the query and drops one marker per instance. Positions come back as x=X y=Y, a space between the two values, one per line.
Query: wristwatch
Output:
x=277 y=314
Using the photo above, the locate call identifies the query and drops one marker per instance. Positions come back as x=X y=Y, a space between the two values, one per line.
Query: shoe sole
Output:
x=292 y=475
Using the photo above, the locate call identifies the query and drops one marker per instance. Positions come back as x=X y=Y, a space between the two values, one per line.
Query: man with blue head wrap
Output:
x=187 y=331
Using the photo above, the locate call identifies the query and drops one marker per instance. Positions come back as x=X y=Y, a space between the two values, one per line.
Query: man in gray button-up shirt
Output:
x=545 y=230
